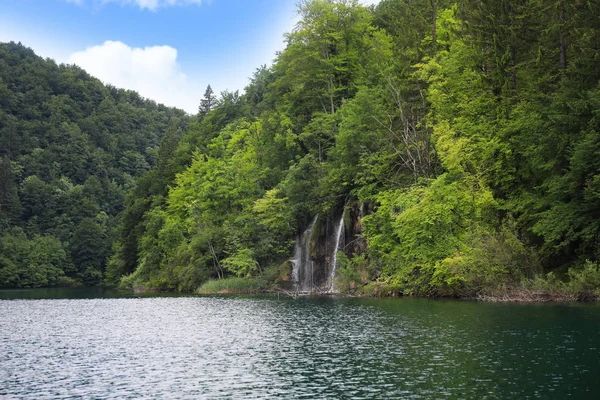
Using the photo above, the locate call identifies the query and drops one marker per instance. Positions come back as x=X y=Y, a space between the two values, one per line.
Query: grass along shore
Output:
x=578 y=285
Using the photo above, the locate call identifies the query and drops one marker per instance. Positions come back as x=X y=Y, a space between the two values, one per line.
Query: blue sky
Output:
x=167 y=50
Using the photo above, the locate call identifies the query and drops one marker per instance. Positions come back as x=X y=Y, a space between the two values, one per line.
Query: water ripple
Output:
x=256 y=348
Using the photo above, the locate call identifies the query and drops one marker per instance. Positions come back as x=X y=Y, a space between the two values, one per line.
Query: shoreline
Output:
x=512 y=296
x=518 y=295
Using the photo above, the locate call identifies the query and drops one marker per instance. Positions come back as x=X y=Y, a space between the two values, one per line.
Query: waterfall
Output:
x=338 y=238
x=314 y=265
x=303 y=265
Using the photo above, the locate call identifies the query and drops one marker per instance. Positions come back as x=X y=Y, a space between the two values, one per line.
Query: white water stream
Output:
x=338 y=238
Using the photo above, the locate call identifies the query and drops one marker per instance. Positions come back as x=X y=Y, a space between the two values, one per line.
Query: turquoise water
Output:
x=114 y=345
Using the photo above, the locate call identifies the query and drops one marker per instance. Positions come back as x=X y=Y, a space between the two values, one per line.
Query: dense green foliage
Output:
x=469 y=130
x=70 y=150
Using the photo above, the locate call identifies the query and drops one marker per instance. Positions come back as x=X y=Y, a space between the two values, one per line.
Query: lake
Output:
x=98 y=344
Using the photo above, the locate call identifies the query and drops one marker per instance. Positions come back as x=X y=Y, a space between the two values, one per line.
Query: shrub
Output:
x=232 y=285
x=584 y=282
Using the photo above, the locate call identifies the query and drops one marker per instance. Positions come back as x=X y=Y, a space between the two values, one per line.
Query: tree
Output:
x=321 y=66
x=70 y=147
x=10 y=206
x=37 y=262
x=208 y=102
x=90 y=249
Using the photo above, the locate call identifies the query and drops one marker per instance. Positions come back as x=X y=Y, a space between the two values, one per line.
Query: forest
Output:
x=467 y=133
x=71 y=149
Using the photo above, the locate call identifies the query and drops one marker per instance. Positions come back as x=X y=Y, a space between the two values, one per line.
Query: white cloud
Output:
x=151 y=71
x=151 y=5
x=143 y=4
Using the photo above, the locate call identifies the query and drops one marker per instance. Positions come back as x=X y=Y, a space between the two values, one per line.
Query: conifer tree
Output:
x=208 y=102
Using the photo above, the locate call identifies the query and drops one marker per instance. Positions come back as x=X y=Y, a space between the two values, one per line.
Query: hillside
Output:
x=70 y=150
x=428 y=147
x=458 y=144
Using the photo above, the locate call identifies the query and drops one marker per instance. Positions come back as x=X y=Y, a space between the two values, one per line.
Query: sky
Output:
x=167 y=50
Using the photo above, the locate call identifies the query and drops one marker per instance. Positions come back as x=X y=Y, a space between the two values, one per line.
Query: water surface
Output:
x=110 y=346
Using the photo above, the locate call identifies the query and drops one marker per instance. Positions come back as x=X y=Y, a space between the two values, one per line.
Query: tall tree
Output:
x=208 y=102
x=10 y=206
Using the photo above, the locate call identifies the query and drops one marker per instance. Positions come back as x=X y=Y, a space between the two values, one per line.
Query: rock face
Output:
x=315 y=262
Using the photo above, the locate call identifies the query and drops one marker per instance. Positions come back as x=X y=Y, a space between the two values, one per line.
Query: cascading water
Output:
x=338 y=241
x=303 y=265
x=314 y=265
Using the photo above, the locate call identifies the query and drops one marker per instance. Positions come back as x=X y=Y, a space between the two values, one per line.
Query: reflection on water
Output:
x=76 y=293
x=264 y=347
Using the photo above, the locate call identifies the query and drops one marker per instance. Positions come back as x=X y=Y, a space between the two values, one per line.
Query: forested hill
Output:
x=70 y=150
x=458 y=141
x=467 y=133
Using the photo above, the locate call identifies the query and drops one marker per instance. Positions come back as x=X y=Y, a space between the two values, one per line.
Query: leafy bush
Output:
x=241 y=263
x=584 y=283
x=232 y=285
x=581 y=283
